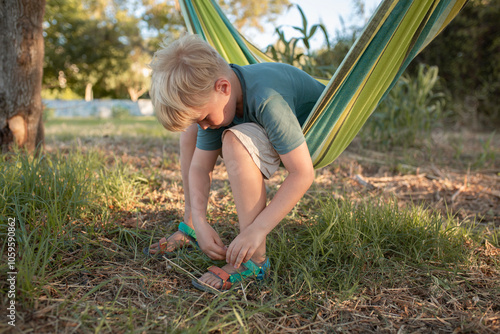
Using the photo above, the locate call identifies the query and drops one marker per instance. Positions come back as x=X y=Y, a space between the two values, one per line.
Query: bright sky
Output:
x=327 y=12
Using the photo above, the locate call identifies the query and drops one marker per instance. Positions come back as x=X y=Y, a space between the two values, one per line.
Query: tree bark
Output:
x=21 y=69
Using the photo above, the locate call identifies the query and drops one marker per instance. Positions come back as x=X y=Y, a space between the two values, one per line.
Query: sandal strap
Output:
x=259 y=272
x=223 y=275
x=187 y=230
x=252 y=269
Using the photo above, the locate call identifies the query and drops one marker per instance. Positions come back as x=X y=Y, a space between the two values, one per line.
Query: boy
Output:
x=251 y=116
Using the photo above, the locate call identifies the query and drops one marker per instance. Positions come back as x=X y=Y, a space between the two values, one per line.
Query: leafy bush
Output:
x=409 y=112
x=60 y=94
x=300 y=55
x=467 y=53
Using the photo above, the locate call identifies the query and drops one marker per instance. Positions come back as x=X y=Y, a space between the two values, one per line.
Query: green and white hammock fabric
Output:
x=395 y=34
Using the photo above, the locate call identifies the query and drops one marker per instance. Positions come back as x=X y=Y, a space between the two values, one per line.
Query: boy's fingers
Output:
x=231 y=255
x=215 y=252
x=218 y=249
x=219 y=243
x=247 y=258
x=215 y=255
x=243 y=254
x=221 y=250
x=234 y=257
x=239 y=259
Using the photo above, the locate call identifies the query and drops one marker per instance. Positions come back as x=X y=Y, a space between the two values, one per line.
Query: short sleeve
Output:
x=281 y=124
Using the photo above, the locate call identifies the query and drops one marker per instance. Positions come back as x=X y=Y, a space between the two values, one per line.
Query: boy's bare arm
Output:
x=200 y=177
x=301 y=175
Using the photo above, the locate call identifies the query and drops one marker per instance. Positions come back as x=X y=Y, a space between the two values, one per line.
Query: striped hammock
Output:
x=395 y=34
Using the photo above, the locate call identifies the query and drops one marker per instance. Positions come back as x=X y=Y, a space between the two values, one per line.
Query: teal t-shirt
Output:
x=278 y=97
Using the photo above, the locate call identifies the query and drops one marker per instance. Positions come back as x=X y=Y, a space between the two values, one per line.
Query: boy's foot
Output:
x=184 y=237
x=175 y=241
x=222 y=278
x=214 y=281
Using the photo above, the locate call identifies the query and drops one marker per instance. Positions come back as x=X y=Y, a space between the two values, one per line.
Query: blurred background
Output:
x=99 y=50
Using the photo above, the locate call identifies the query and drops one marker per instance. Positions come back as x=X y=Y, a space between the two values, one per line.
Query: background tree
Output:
x=136 y=79
x=162 y=19
x=329 y=58
x=250 y=13
x=88 y=43
x=21 y=60
x=106 y=44
x=467 y=53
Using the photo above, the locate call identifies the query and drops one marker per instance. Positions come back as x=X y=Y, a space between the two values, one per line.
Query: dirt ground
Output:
x=463 y=181
x=457 y=181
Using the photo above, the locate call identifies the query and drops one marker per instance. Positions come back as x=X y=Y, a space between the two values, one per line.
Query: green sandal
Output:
x=186 y=230
x=227 y=279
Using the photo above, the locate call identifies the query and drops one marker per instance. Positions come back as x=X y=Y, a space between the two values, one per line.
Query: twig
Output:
x=363 y=182
x=397 y=178
x=192 y=276
x=492 y=193
x=437 y=171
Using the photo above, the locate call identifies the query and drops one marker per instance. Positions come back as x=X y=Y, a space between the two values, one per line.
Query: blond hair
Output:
x=184 y=75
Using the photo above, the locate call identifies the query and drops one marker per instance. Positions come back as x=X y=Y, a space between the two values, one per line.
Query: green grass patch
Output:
x=61 y=202
x=82 y=219
x=350 y=241
x=342 y=250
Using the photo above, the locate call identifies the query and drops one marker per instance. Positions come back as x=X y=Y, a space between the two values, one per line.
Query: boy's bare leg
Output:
x=247 y=185
x=187 y=147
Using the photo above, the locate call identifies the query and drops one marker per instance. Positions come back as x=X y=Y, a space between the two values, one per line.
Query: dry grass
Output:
x=114 y=289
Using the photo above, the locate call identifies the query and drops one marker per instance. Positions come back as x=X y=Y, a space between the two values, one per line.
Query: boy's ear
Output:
x=223 y=85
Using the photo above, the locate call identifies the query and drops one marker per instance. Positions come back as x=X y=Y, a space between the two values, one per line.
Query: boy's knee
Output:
x=230 y=142
x=231 y=150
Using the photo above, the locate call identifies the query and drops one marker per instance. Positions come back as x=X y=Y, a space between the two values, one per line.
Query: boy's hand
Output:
x=210 y=242
x=244 y=246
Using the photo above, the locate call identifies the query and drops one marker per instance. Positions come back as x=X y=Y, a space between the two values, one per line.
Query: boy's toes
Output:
x=211 y=280
x=214 y=281
x=154 y=247
x=175 y=241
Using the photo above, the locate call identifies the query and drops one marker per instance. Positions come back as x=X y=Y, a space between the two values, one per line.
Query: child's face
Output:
x=218 y=112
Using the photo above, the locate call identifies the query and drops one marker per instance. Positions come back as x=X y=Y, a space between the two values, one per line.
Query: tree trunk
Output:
x=89 y=94
x=21 y=68
x=135 y=94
